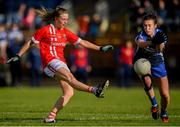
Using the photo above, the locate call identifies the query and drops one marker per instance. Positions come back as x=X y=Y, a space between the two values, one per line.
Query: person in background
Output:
x=83 y=22
x=35 y=67
x=3 y=56
x=15 y=42
x=124 y=62
x=80 y=63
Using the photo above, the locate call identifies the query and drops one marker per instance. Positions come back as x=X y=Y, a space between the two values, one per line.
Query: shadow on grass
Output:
x=60 y=119
x=19 y=119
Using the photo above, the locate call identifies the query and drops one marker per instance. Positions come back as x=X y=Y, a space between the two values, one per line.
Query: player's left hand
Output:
x=106 y=48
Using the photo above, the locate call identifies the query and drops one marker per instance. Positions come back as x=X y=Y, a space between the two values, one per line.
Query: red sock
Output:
x=52 y=115
x=92 y=89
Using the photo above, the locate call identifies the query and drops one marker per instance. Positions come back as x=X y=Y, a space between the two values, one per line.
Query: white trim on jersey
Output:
x=34 y=40
x=53 y=28
x=55 y=53
x=50 y=30
x=53 y=48
x=78 y=41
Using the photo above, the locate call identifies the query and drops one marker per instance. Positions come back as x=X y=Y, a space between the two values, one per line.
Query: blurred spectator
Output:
x=79 y=58
x=102 y=10
x=15 y=41
x=35 y=68
x=175 y=15
x=124 y=57
x=20 y=14
x=162 y=15
x=2 y=12
x=73 y=24
x=94 y=26
x=28 y=21
x=83 y=25
x=3 y=56
x=168 y=16
x=12 y=7
x=137 y=11
x=172 y=66
x=148 y=6
x=3 y=44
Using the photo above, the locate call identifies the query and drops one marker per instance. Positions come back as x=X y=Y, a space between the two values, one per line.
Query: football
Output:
x=142 y=66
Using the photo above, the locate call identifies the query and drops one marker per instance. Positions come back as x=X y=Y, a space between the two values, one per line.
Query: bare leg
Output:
x=63 y=100
x=67 y=76
x=165 y=97
x=147 y=81
x=164 y=91
x=68 y=82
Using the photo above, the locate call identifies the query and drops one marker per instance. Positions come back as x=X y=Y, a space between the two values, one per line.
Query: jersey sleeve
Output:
x=160 y=37
x=72 y=38
x=38 y=35
x=139 y=36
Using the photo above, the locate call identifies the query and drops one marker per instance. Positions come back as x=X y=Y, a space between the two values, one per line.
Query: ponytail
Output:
x=47 y=14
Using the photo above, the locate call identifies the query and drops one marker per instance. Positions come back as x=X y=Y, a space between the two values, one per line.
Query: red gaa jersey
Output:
x=52 y=42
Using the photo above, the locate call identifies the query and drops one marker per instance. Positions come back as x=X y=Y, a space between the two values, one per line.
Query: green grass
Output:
x=121 y=107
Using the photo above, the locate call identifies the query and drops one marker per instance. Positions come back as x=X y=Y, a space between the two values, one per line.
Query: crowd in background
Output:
x=168 y=12
x=18 y=20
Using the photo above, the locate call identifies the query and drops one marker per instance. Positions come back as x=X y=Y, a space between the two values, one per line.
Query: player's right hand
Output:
x=13 y=59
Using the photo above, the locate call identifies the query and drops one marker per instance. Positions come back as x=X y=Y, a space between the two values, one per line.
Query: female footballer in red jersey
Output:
x=52 y=40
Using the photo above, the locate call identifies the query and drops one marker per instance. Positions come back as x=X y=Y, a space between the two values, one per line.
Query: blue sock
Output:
x=153 y=101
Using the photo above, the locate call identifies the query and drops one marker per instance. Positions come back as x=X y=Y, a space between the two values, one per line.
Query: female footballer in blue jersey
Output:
x=151 y=43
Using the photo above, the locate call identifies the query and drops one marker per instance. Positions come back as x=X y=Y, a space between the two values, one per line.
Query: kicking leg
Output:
x=67 y=76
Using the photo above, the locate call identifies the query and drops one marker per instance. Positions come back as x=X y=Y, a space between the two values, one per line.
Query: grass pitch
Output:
x=121 y=107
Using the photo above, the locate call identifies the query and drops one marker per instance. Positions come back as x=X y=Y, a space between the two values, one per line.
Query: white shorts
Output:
x=53 y=66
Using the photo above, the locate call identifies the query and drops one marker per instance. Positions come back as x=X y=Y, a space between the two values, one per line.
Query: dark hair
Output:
x=50 y=14
x=149 y=16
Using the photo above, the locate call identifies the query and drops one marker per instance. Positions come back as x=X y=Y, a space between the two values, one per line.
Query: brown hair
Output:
x=149 y=16
x=47 y=14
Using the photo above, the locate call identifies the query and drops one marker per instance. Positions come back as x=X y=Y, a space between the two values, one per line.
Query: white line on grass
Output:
x=115 y=115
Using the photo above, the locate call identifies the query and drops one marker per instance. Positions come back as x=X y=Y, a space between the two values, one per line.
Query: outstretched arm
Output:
x=90 y=45
x=25 y=47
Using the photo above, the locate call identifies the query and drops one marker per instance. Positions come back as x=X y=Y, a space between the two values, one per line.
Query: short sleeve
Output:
x=139 y=36
x=38 y=35
x=164 y=38
x=160 y=37
x=72 y=38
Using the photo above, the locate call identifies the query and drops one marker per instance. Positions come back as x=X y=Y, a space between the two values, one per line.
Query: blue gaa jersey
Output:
x=156 y=58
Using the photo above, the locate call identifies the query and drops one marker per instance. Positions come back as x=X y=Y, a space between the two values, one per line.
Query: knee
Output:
x=71 y=79
x=69 y=93
x=147 y=81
